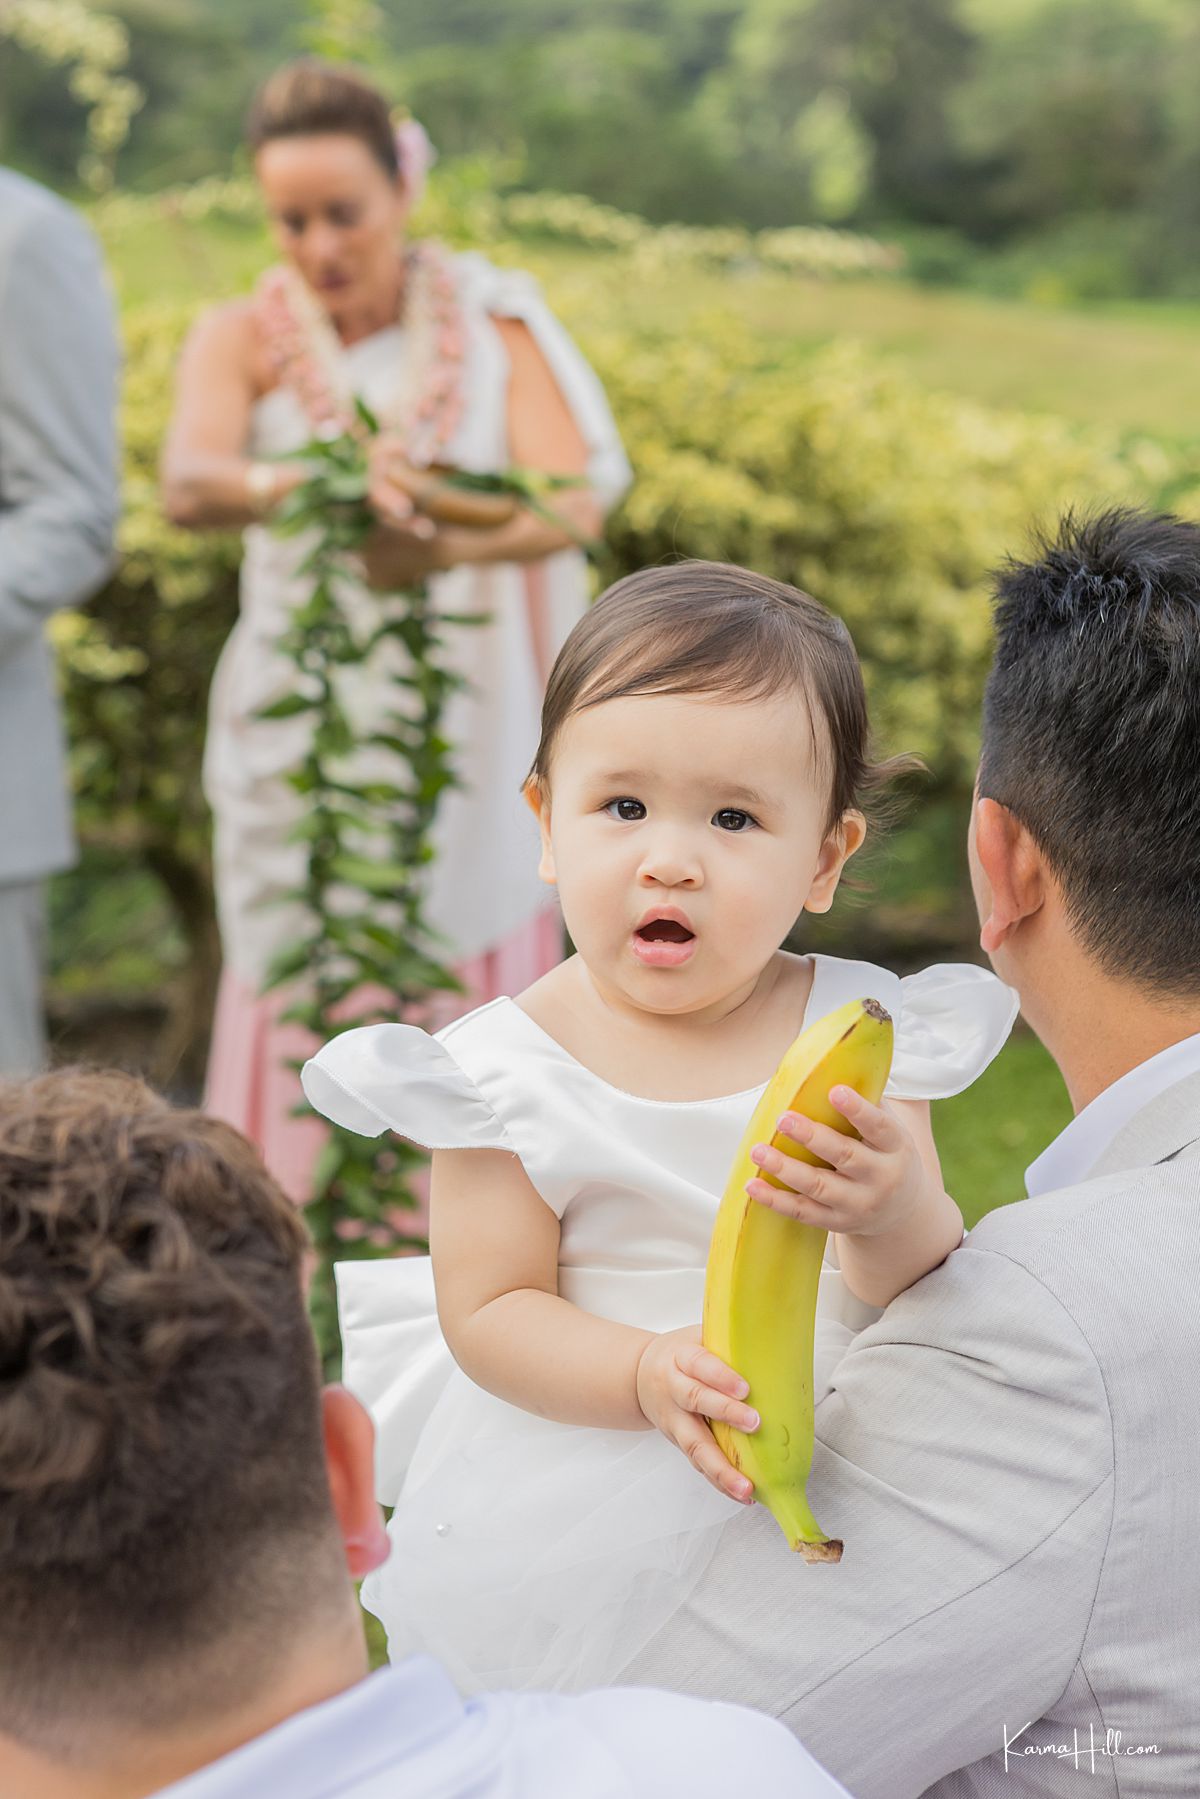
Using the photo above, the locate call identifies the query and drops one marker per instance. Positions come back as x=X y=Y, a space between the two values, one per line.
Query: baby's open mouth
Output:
x=664 y=930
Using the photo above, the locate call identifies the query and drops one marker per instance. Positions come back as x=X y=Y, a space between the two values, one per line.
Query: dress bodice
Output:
x=373 y=368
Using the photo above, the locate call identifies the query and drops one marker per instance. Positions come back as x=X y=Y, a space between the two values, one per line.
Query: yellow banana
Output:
x=760 y=1295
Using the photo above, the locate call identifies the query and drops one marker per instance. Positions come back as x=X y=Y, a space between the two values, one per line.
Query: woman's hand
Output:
x=387 y=496
x=874 y=1183
x=680 y=1386
x=401 y=555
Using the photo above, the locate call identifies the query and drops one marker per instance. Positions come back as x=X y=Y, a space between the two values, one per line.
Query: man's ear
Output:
x=350 y=1461
x=537 y=798
x=1013 y=868
x=844 y=841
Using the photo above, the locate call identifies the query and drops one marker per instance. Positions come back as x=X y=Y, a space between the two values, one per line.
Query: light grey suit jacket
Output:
x=58 y=496
x=1012 y=1455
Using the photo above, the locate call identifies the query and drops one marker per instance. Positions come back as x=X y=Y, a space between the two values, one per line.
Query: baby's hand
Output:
x=680 y=1385
x=874 y=1182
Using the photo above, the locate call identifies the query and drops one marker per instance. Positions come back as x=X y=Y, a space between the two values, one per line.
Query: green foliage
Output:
x=93 y=47
x=343 y=30
x=1001 y=126
x=136 y=669
x=888 y=503
x=988 y=1136
x=379 y=956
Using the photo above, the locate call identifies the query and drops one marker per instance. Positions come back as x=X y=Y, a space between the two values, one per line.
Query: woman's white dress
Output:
x=525 y=1552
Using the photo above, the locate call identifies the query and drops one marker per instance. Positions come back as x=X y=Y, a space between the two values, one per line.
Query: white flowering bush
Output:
x=800 y=250
x=466 y=213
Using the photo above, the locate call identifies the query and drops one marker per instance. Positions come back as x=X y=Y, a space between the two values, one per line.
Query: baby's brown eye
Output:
x=730 y=819
x=626 y=809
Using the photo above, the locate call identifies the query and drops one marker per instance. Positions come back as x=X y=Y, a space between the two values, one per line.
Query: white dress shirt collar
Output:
x=337 y=1746
x=1075 y=1151
x=404 y=1730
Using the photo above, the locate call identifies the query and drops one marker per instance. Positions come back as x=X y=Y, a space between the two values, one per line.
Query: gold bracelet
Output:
x=262 y=487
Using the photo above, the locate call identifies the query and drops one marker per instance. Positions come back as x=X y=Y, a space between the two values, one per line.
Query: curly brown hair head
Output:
x=164 y=1507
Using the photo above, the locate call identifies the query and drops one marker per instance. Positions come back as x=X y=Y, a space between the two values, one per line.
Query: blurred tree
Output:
x=343 y=30
x=887 y=71
x=92 y=49
x=1069 y=113
x=1061 y=134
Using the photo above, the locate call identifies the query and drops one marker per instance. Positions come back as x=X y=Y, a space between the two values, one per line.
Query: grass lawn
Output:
x=989 y=1135
x=1105 y=367
x=376 y=1641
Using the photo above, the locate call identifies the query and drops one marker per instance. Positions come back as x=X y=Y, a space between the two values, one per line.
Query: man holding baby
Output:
x=1012 y=1453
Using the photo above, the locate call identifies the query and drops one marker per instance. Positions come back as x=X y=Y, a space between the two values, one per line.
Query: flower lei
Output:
x=306 y=353
x=369 y=837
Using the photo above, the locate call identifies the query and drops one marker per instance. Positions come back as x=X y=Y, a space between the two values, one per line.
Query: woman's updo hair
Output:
x=310 y=98
x=711 y=628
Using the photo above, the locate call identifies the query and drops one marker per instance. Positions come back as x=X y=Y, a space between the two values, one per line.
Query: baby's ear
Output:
x=537 y=798
x=843 y=841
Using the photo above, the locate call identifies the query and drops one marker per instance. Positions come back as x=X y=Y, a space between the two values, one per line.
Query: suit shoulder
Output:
x=27 y=207
x=1029 y=1230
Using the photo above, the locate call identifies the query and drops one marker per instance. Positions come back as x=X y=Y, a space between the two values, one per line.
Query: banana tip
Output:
x=874 y=1010
x=829 y=1551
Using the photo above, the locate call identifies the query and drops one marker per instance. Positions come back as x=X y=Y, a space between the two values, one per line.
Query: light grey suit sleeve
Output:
x=965 y=1457
x=58 y=454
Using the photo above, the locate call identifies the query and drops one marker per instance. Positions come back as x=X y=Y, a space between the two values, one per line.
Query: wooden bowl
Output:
x=440 y=500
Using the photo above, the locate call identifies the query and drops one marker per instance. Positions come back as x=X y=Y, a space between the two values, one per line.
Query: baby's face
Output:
x=685 y=834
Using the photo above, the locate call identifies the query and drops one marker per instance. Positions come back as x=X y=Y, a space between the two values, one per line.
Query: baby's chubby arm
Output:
x=882 y=1194
x=494 y=1243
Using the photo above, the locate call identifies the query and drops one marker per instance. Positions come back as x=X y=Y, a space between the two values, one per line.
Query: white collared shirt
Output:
x=1075 y=1151
x=404 y=1733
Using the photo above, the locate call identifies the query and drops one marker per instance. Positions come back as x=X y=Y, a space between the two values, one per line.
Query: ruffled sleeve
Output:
x=954 y=1019
x=396 y=1077
x=514 y=294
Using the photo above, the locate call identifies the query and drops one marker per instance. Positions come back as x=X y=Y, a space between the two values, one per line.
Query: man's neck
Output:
x=1098 y=1029
x=126 y=1766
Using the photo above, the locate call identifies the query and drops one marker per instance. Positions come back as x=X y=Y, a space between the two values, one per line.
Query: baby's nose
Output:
x=671 y=865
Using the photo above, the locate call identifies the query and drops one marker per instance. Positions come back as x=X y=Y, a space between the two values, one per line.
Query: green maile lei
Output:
x=368 y=951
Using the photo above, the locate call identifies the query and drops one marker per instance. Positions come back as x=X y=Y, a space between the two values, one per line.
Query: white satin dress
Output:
x=528 y=1553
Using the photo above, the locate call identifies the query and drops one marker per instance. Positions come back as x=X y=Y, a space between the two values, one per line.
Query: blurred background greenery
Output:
x=1039 y=147
x=872 y=288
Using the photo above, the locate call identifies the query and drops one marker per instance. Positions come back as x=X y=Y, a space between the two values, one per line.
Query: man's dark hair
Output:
x=1091 y=733
x=162 y=1479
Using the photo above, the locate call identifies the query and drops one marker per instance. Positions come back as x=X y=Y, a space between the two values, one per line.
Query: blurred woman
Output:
x=463 y=364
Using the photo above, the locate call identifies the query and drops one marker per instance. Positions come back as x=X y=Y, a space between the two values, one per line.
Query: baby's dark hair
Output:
x=1091 y=732
x=712 y=628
